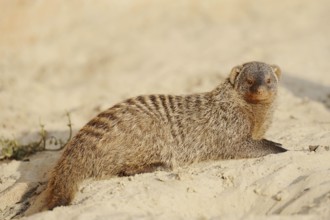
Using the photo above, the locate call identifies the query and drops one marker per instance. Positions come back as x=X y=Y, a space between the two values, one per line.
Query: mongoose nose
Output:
x=260 y=90
x=257 y=89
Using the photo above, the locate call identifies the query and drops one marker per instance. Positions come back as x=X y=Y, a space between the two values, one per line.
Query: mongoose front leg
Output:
x=258 y=148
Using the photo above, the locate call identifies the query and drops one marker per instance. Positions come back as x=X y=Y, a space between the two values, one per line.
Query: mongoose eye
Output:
x=268 y=81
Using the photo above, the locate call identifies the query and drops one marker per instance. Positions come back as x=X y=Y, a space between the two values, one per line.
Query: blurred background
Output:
x=83 y=56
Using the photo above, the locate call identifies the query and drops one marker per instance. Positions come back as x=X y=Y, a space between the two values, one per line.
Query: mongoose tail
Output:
x=69 y=172
x=60 y=194
x=60 y=190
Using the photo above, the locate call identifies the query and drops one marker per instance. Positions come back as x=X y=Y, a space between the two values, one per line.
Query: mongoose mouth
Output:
x=257 y=98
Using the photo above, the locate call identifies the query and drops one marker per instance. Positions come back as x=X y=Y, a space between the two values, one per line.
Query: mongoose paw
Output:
x=273 y=143
x=276 y=147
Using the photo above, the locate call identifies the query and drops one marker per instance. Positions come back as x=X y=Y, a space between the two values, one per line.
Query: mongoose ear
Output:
x=234 y=73
x=277 y=71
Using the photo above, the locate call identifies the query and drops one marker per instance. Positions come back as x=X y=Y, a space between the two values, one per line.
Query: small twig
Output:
x=62 y=145
x=43 y=136
x=70 y=126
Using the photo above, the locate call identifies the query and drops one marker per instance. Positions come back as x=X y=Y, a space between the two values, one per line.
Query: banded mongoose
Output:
x=152 y=132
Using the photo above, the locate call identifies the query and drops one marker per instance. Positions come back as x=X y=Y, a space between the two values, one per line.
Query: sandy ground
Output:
x=84 y=56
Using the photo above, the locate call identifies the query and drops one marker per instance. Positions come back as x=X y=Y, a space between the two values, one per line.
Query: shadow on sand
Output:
x=303 y=88
x=33 y=176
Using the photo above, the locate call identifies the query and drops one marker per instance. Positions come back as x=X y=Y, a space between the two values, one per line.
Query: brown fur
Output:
x=153 y=132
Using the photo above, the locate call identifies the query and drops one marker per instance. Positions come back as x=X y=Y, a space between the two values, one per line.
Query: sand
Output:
x=84 y=56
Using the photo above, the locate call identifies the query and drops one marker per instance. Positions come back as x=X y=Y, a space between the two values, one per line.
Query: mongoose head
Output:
x=256 y=82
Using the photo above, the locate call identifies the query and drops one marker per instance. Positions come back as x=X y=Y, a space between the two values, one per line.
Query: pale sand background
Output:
x=84 y=56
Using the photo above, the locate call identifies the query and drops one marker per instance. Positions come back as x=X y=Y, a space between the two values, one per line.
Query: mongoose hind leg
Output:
x=258 y=148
